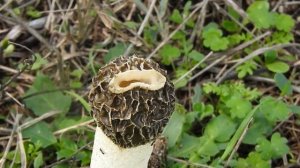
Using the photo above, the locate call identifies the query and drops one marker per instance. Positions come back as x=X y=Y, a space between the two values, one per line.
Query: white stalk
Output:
x=106 y=154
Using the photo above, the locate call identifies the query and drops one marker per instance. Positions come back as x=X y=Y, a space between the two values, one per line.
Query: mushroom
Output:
x=132 y=100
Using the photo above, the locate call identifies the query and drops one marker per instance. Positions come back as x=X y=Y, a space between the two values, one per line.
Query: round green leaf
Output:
x=278 y=67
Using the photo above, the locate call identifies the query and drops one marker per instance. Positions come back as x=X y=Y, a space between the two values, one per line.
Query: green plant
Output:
x=234 y=108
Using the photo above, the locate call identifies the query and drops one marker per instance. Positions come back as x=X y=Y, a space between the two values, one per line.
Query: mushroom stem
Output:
x=106 y=154
x=132 y=100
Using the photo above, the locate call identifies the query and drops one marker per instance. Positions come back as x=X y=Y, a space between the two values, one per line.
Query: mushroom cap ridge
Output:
x=134 y=117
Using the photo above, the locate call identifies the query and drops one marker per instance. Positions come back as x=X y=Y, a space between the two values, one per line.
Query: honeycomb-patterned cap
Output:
x=132 y=100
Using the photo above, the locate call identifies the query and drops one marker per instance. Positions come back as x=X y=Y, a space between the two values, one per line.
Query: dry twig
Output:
x=254 y=54
x=200 y=5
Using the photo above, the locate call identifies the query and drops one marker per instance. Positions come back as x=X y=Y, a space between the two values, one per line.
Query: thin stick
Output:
x=30 y=30
x=26 y=61
x=244 y=45
x=229 y=52
x=2 y=160
x=269 y=80
x=238 y=143
x=42 y=40
x=188 y=163
x=71 y=157
x=292 y=3
x=207 y=68
x=38 y=119
x=16 y=31
x=235 y=138
x=16 y=100
x=254 y=54
x=145 y=21
x=22 y=149
x=192 y=69
x=232 y=18
x=6 y=5
x=175 y=31
x=200 y=22
x=277 y=5
x=236 y=8
x=15 y=156
x=9 y=143
x=73 y=127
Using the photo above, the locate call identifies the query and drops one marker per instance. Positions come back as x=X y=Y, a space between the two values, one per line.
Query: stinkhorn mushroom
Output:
x=132 y=100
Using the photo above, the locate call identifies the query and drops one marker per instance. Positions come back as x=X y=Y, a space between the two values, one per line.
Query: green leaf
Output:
x=4 y=42
x=215 y=128
x=279 y=145
x=150 y=35
x=204 y=110
x=230 y=26
x=272 y=149
x=13 y=156
x=179 y=73
x=131 y=25
x=207 y=147
x=39 y=62
x=187 y=46
x=176 y=16
x=259 y=129
x=235 y=39
x=190 y=118
x=84 y=157
x=62 y=165
x=67 y=148
x=274 y=110
x=254 y=160
x=283 y=84
x=169 y=53
x=282 y=37
x=187 y=146
x=232 y=12
x=230 y=146
x=17 y=11
x=211 y=88
x=9 y=50
x=259 y=14
x=278 y=67
x=84 y=103
x=163 y=6
x=75 y=84
x=197 y=93
x=77 y=73
x=195 y=55
x=213 y=38
x=174 y=127
x=115 y=52
x=246 y=68
x=187 y=7
x=295 y=109
x=270 y=56
x=284 y=22
x=32 y=12
x=40 y=134
x=208 y=110
x=179 y=35
x=38 y=161
x=48 y=101
x=238 y=106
